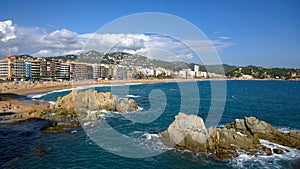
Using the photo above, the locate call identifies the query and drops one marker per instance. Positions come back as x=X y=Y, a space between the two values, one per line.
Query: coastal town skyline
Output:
x=267 y=37
x=150 y=84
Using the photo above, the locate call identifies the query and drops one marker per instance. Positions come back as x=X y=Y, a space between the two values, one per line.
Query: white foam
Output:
x=149 y=136
x=132 y=96
x=74 y=131
x=88 y=124
x=36 y=96
x=91 y=112
x=137 y=132
x=283 y=129
x=130 y=84
x=51 y=102
x=221 y=126
x=264 y=161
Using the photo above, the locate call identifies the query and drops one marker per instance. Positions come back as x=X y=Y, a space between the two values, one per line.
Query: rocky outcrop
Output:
x=189 y=132
x=54 y=127
x=257 y=128
x=87 y=104
x=92 y=100
x=79 y=105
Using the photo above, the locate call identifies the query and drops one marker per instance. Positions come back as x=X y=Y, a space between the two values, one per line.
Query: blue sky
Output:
x=256 y=32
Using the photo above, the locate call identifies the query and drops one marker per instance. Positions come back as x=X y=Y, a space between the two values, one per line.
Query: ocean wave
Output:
x=130 y=84
x=149 y=136
x=51 y=102
x=273 y=161
x=284 y=129
x=37 y=96
x=132 y=96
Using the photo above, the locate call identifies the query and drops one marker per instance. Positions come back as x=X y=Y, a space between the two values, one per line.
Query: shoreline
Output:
x=27 y=88
x=11 y=93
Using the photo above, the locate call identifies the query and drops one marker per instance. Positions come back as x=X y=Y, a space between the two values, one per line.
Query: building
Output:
x=147 y=71
x=196 y=70
x=57 y=66
x=121 y=73
x=96 y=71
x=190 y=74
x=47 y=69
x=36 y=69
x=72 y=69
x=110 y=71
x=15 y=70
x=89 y=71
x=64 y=71
x=80 y=71
x=17 y=67
x=27 y=70
x=182 y=74
x=4 y=69
x=104 y=71
x=131 y=73
x=203 y=74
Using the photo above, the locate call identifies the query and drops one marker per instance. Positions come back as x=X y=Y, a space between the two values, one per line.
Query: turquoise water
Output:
x=276 y=102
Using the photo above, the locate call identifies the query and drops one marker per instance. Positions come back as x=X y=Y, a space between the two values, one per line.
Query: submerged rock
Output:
x=54 y=127
x=189 y=132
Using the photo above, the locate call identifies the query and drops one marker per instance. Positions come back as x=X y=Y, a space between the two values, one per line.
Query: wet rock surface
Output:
x=243 y=135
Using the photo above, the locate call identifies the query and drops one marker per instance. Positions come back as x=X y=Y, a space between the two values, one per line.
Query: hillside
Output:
x=124 y=59
x=131 y=60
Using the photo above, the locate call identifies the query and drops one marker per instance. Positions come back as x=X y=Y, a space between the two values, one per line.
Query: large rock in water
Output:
x=83 y=104
x=92 y=100
x=189 y=132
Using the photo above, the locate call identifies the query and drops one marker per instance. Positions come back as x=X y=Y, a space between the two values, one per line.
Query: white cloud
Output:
x=112 y=42
x=7 y=31
x=63 y=36
x=38 y=42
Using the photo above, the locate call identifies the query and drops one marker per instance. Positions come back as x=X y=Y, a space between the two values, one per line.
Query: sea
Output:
x=22 y=145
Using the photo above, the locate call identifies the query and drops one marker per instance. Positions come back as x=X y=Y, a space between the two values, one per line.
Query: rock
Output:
x=184 y=125
x=83 y=105
x=261 y=129
x=54 y=127
x=189 y=132
x=277 y=151
x=92 y=100
x=41 y=153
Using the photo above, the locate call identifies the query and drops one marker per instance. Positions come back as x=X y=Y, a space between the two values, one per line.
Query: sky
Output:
x=250 y=32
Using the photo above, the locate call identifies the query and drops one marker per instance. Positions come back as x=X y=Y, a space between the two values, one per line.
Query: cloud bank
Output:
x=40 y=43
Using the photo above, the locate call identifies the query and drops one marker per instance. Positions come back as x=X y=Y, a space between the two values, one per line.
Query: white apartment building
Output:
x=3 y=69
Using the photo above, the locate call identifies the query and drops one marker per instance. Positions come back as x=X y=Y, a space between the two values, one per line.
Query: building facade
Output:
x=65 y=71
x=17 y=67
x=36 y=69
x=80 y=71
x=27 y=70
x=3 y=69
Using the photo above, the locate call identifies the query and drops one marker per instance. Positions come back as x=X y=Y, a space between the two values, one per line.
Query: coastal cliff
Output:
x=243 y=135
